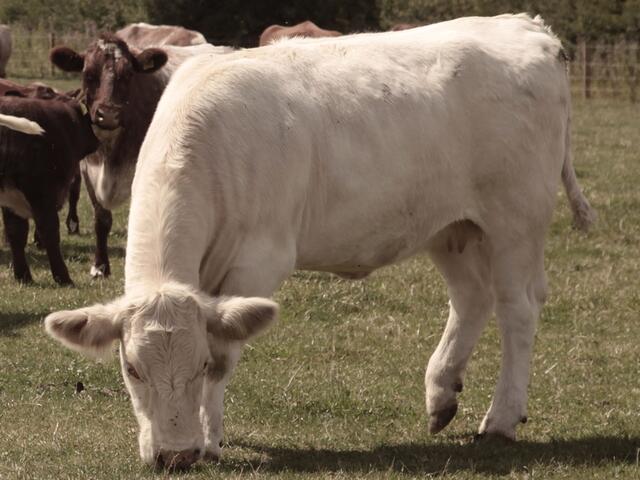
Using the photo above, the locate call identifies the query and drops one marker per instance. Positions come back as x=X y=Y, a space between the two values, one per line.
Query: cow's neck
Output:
x=145 y=92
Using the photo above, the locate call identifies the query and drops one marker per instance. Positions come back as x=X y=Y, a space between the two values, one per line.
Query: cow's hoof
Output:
x=73 y=227
x=24 y=278
x=211 y=457
x=64 y=281
x=100 y=271
x=440 y=419
x=493 y=437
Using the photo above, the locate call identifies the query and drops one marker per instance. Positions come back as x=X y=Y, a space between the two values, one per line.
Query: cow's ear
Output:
x=67 y=59
x=238 y=318
x=150 y=60
x=90 y=330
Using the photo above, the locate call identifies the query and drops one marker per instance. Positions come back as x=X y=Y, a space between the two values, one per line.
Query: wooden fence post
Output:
x=52 y=43
x=586 y=69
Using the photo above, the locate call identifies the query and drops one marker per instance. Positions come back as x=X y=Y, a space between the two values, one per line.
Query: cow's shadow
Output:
x=494 y=457
x=11 y=323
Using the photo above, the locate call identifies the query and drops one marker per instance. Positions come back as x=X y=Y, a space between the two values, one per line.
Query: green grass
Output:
x=335 y=390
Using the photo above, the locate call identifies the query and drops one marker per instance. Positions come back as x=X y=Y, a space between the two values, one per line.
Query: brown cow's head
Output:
x=107 y=68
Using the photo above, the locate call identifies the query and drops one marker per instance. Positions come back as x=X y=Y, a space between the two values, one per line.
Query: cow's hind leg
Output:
x=73 y=222
x=48 y=225
x=468 y=277
x=17 y=232
x=520 y=286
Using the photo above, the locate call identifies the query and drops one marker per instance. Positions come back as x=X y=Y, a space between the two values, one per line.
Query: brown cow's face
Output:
x=108 y=67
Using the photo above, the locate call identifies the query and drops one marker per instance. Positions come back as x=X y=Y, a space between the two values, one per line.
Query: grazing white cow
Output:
x=343 y=155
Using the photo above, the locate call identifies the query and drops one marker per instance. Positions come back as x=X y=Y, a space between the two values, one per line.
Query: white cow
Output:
x=343 y=155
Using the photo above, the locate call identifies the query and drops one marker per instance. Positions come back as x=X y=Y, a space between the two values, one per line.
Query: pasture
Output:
x=335 y=389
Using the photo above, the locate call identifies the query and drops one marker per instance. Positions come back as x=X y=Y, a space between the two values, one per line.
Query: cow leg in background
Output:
x=468 y=278
x=45 y=215
x=73 y=222
x=260 y=280
x=102 y=225
x=520 y=286
x=17 y=232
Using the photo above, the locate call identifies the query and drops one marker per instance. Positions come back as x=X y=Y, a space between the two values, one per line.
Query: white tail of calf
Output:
x=19 y=124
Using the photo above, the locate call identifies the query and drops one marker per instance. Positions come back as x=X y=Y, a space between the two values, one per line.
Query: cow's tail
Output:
x=583 y=214
x=20 y=124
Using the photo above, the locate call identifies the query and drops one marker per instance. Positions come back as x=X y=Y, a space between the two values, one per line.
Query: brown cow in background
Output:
x=143 y=35
x=304 y=29
x=121 y=84
x=404 y=26
x=43 y=137
x=5 y=48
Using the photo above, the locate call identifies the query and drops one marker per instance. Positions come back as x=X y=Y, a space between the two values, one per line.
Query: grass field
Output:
x=335 y=390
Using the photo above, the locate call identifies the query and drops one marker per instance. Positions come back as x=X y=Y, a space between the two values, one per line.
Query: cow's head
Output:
x=107 y=67
x=166 y=341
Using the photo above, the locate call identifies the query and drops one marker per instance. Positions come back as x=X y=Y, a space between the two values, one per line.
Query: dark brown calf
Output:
x=37 y=171
x=304 y=29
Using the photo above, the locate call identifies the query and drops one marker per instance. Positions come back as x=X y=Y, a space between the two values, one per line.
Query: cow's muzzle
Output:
x=107 y=118
x=177 y=460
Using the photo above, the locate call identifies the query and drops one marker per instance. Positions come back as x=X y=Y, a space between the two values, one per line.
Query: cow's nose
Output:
x=178 y=460
x=107 y=118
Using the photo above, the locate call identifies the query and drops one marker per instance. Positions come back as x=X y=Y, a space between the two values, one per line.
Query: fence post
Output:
x=586 y=69
x=52 y=43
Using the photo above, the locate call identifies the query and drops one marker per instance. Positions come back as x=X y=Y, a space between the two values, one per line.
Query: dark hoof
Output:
x=64 y=281
x=73 y=227
x=24 y=278
x=492 y=437
x=211 y=457
x=442 y=418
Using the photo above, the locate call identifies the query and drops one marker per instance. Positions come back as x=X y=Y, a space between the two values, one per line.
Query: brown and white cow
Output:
x=121 y=86
x=37 y=167
x=304 y=29
x=5 y=49
x=342 y=155
x=144 y=35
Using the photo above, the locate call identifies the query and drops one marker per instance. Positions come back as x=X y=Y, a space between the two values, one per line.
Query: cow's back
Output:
x=144 y=35
x=335 y=143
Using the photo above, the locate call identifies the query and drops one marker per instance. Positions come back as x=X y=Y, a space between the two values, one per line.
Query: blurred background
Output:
x=601 y=36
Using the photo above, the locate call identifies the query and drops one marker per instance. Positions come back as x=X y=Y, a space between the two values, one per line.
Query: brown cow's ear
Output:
x=238 y=318
x=89 y=330
x=67 y=59
x=150 y=60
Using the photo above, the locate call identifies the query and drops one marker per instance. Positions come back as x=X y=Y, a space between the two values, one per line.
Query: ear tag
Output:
x=83 y=108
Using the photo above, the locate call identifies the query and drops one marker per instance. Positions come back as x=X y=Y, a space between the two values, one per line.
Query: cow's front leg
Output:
x=260 y=268
x=103 y=221
x=520 y=286
x=224 y=359
x=468 y=277
x=17 y=232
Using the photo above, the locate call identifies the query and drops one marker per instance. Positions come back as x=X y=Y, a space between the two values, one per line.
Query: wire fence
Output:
x=597 y=70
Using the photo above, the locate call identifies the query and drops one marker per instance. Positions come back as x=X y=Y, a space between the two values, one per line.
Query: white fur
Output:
x=347 y=154
x=20 y=124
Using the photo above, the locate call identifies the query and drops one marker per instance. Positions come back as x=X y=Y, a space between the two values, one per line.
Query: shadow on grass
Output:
x=491 y=456
x=10 y=323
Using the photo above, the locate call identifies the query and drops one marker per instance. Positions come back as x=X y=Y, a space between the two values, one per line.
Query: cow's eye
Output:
x=132 y=372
